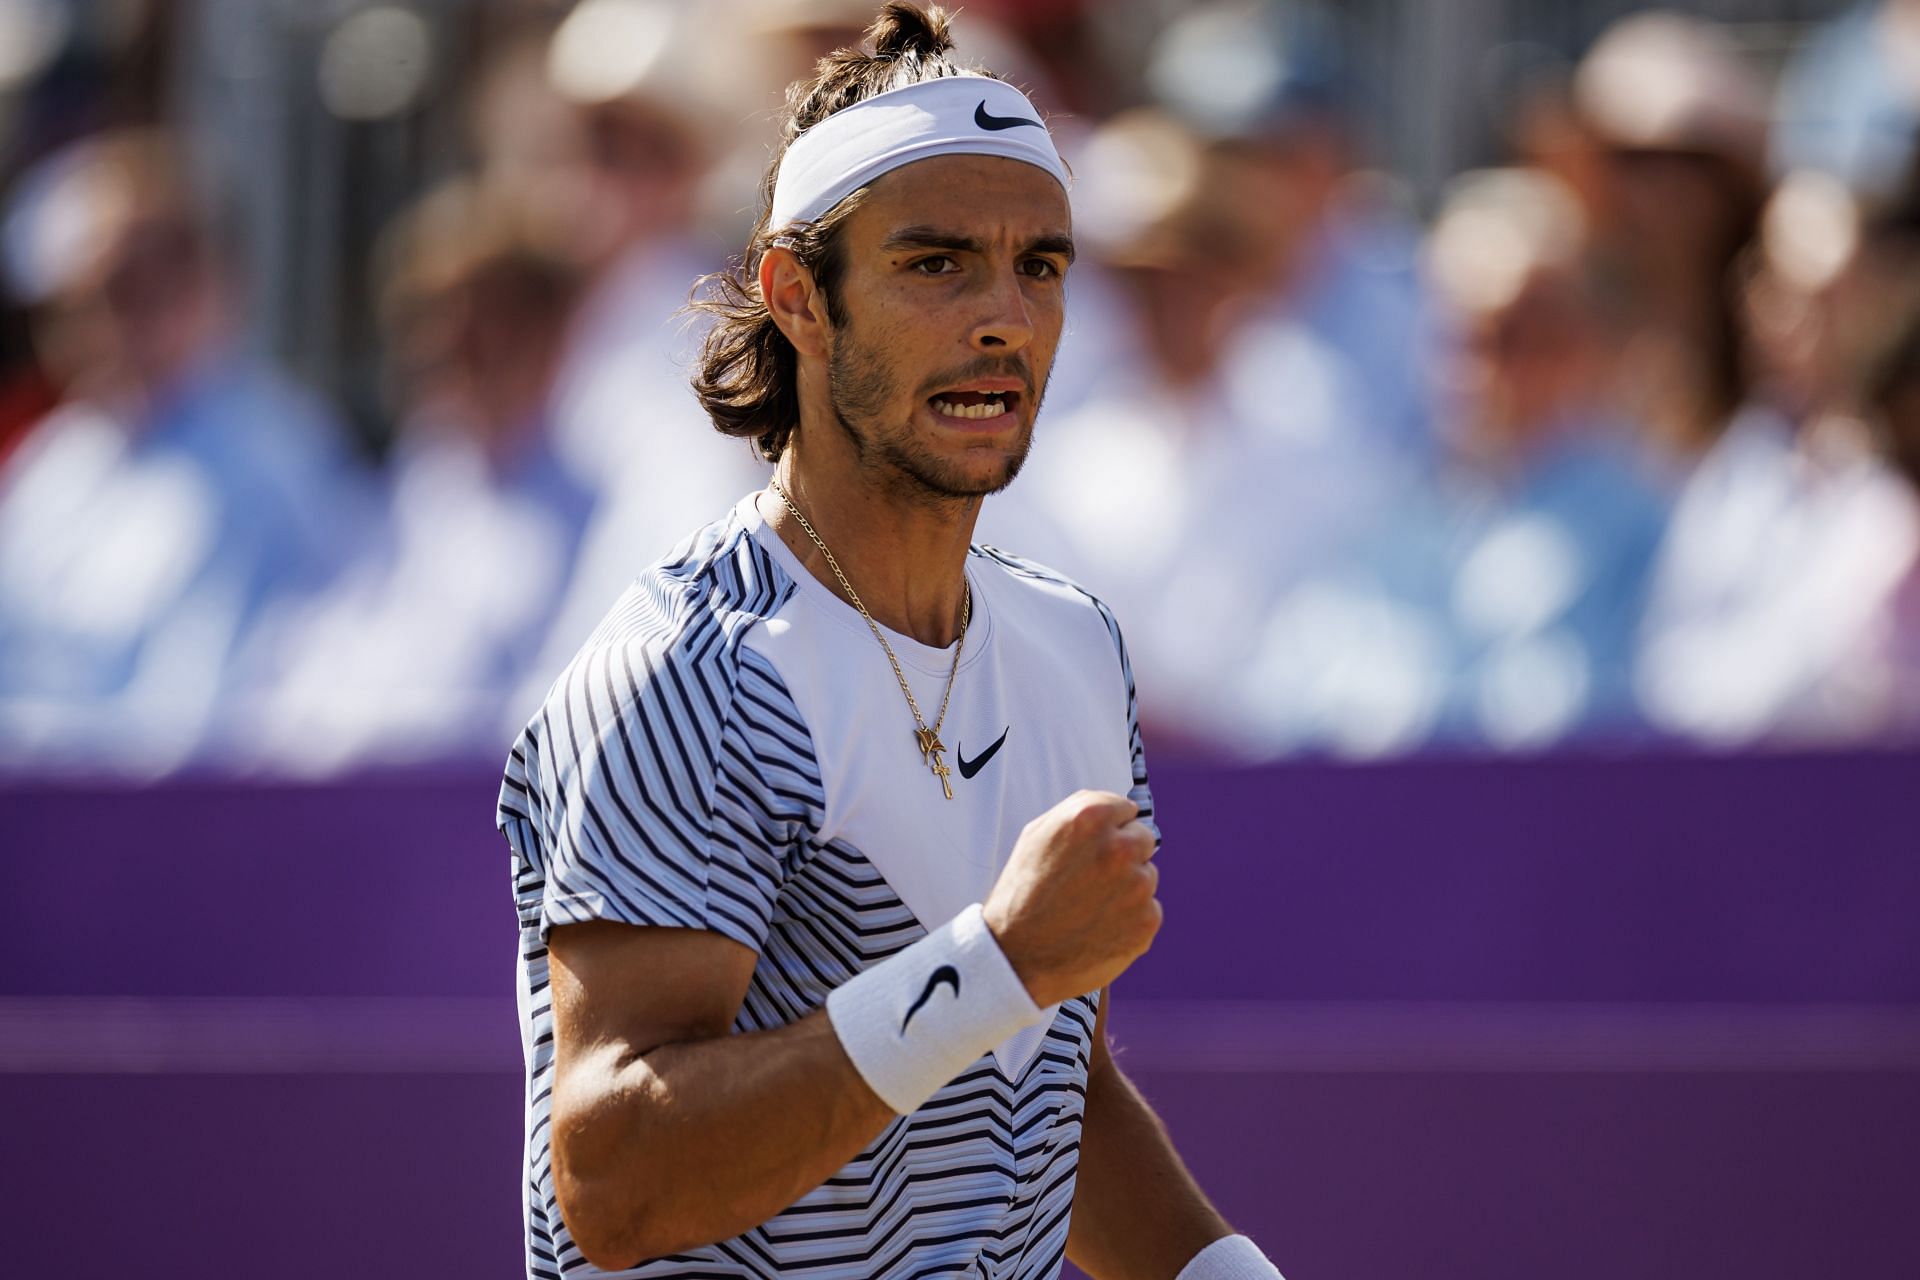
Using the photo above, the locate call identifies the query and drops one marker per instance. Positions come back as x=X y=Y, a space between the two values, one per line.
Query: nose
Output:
x=1005 y=324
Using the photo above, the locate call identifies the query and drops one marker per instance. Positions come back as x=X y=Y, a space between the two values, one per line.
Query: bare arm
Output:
x=669 y=1132
x=1137 y=1213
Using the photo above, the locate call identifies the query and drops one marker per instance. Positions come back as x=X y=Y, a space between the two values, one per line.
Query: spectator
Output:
x=416 y=652
x=1498 y=610
x=1680 y=120
x=1790 y=534
x=1849 y=100
x=630 y=71
x=181 y=489
x=1336 y=257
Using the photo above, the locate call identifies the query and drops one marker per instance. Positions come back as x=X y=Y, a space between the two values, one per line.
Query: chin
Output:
x=985 y=471
x=968 y=473
x=972 y=480
x=1004 y=474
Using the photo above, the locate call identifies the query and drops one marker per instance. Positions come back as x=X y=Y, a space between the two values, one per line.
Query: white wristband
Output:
x=916 y=1020
x=1230 y=1258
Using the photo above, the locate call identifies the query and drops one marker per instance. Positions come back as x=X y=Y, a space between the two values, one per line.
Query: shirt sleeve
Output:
x=660 y=789
x=1141 y=793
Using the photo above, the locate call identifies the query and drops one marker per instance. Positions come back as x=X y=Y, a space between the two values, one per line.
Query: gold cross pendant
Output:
x=930 y=749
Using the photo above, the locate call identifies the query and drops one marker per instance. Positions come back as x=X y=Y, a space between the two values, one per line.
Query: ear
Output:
x=795 y=301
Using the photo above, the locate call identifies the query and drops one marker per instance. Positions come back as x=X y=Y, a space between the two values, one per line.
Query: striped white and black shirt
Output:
x=731 y=751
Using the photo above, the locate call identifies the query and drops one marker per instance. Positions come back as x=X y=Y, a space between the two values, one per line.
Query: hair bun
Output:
x=906 y=30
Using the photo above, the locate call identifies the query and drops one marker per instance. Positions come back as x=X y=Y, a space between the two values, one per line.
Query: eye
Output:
x=937 y=265
x=1039 y=268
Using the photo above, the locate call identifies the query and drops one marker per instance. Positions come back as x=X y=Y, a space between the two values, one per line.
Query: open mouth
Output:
x=974 y=406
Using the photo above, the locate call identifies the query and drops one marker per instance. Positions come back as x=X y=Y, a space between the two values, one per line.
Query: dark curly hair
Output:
x=745 y=378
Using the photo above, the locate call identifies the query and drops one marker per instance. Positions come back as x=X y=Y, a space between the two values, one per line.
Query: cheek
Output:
x=916 y=342
x=1050 y=320
x=1050 y=327
x=870 y=368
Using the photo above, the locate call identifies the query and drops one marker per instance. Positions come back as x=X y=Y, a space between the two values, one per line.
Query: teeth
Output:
x=990 y=409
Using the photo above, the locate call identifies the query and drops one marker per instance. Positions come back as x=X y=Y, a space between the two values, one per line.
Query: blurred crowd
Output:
x=1615 y=441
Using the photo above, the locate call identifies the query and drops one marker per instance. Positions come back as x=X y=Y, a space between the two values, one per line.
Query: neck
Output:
x=903 y=553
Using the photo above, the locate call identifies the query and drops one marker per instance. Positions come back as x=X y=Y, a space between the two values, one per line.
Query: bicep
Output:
x=621 y=994
x=632 y=989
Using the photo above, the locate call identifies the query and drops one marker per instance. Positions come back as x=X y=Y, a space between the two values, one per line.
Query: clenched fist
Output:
x=1075 y=905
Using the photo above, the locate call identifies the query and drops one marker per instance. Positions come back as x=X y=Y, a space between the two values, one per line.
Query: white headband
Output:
x=953 y=115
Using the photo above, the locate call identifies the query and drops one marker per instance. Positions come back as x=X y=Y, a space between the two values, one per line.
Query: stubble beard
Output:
x=859 y=386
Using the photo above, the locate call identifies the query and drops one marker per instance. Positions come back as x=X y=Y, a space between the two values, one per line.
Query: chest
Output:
x=1033 y=716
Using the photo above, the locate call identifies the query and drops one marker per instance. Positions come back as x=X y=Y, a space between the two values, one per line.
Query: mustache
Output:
x=986 y=367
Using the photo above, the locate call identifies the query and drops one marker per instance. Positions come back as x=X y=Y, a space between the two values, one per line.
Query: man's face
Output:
x=950 y=306
x=1533 y=360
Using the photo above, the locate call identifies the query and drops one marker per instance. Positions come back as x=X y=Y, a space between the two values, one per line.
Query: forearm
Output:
x=1137 y=1213
x=708 y=1134
x=696 y=1142
x=669 y=1132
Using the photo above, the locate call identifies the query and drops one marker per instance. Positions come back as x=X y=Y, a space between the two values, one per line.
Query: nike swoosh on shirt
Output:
x=970 y=767
x=945 y=973
x=994 y=123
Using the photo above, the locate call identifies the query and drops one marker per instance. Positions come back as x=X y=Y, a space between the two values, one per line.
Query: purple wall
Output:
x=1578 y=1017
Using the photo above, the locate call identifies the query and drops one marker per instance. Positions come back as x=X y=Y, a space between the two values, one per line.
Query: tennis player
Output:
x=829 y=842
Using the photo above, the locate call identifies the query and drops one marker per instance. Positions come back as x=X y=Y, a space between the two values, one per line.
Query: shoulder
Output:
x=666 y=777
x=718 y=579
x=658 y=680
x=683 y=618
x=1045 y=588
x=1030 y=593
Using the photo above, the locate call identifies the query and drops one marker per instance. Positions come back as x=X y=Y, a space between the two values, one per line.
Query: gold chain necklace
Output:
x=928 y=739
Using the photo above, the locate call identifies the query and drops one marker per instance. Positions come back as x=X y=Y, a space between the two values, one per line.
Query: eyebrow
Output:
x=926 y=237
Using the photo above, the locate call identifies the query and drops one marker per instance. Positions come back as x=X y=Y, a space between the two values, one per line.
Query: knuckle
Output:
x=1156 y=915
x=1087 y=799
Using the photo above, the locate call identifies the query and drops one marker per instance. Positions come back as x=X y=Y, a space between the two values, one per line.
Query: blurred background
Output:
x=1495 y=424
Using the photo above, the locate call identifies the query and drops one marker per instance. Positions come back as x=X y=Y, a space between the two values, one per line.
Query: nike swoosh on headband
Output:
x=997 y=123
x=944 y=116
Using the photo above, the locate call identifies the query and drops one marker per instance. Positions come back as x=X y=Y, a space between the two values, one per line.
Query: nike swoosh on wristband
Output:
x=945 y=973
x=996 y=123
x=970 y=767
